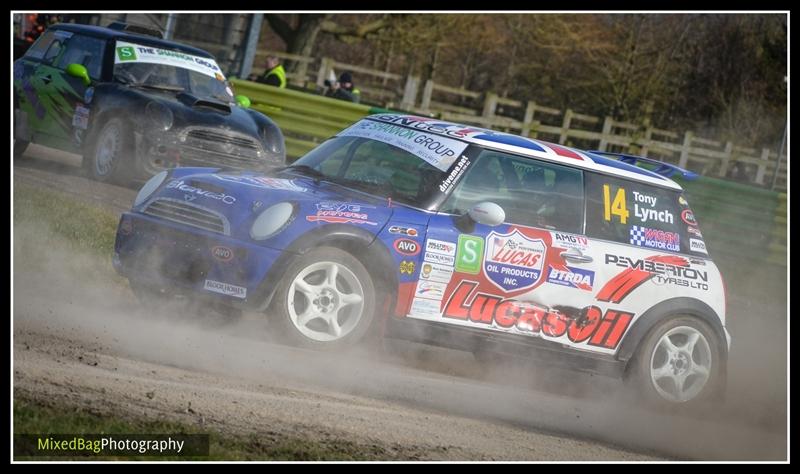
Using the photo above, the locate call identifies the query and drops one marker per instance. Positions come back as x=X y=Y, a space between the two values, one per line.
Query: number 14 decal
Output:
x=616 y=208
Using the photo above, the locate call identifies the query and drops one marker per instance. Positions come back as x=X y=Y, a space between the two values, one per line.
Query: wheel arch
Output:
x=662 y=311
x=359 y=243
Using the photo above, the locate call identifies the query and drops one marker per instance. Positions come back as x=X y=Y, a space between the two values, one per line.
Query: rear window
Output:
x=638 y=214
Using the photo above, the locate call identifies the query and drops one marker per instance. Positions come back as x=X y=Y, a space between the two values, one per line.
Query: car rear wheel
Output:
x=678 y=363
x=108 y=151
x=326 y=300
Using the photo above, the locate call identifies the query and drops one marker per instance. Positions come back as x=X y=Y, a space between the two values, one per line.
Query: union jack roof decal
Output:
x=526 y=146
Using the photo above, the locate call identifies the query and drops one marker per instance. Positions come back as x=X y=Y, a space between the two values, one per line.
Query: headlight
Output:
x=158 y=116
x=150 y=187
x=272 y=220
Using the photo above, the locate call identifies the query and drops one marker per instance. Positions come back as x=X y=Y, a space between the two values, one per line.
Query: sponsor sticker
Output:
x=193 y=192
x=439 y=151
x=407 y=266
x=439 y=259
x=409 y=231
x=469 y=254
x=592 y=327
x=654 y=238
x=80 y=119
x=688 y=217
x=340 y=213
x=435 y=272
x=457 y=171
x=694 y=231
x=88 y=95
x=696 y=245
x=222 y=253
x=424 y=307
x=440 y=247
x=130 y=52
x=569 y=241
x=431 y=290
x=682 y=201
x=407 y=247
x=225 y=288
x=571 y=277
x=514 y=261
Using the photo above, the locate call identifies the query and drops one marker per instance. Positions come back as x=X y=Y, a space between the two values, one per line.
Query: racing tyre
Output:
x=108 y=151
x=326 y=300
x=678 y=364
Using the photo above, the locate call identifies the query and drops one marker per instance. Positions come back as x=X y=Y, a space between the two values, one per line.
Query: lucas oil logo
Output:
x=514 y=262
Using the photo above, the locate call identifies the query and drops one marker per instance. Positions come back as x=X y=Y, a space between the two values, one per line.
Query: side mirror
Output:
x=79 y=71
x=243 y=101
x=486 y=213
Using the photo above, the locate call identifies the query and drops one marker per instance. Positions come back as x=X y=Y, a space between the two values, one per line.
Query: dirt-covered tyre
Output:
x=111 y=146
x=678 y=364
x=326 y=300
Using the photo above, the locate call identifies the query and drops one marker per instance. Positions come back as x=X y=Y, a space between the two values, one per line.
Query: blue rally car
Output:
x=451 y=235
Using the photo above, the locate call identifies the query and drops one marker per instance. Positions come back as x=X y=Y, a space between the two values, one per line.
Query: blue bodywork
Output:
x=184 y=255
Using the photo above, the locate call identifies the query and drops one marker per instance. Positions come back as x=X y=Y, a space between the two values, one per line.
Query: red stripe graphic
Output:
x=566 y=152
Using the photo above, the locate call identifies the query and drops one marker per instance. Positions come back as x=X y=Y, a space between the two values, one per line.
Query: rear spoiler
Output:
x=664 y=169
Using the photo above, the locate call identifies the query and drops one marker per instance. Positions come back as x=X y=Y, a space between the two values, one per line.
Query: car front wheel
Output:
x=326 y=300
x=109 y=149
x=679 y=363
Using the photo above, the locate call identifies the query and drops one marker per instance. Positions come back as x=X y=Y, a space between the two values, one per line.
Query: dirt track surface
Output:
x=89 y=343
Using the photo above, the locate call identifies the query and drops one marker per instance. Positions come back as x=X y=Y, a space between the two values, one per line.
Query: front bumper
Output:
x=186 y=261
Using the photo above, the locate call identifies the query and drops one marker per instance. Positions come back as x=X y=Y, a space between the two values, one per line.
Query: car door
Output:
x=30 y=112
x=62 y=95
x=531 y=275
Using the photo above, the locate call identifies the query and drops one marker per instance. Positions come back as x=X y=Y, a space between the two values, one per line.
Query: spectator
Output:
x=738 y=172
x=344 y=90
x=274 y=75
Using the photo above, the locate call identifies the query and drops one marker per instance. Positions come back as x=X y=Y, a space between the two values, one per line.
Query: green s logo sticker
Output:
x=126 y=53
x=470 y=252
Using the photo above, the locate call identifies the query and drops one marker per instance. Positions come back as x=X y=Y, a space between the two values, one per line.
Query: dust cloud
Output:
x=58 y=290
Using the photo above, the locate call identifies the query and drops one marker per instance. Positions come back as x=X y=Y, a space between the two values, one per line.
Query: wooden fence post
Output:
x=725 y=161
x=648 y=134
x=530 y=110
x=410 y=93
x=489 y=108
x=322 y=74
x=762 y=167
x=608 y=122
x=687 y=145
x=562 y=138
x=426 y=95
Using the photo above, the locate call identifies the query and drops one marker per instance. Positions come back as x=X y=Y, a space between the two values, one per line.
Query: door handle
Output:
x=576 y=257
x=46 y=78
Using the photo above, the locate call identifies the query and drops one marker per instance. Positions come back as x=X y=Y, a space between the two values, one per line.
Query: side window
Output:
x=53 y=51
x=86 y=51
x=531 y=192
x=37 y=49
x=634 y=213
